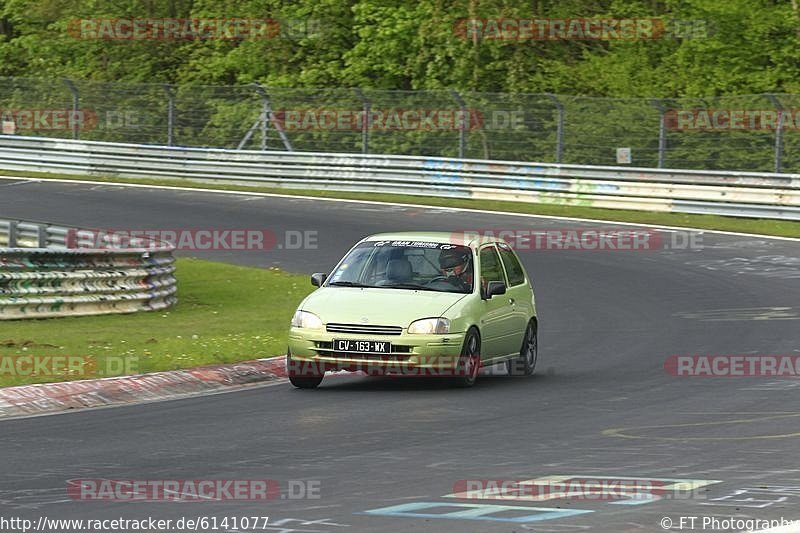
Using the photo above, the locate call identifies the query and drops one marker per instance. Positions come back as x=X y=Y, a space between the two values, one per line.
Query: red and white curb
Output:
x=44 y=398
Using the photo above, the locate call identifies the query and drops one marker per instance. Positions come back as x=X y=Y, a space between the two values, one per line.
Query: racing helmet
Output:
x=454 y=261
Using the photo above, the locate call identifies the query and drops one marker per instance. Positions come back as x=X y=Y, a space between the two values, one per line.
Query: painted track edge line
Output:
x=398 y=204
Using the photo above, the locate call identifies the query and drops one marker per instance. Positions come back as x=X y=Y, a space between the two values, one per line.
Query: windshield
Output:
x=413 y=265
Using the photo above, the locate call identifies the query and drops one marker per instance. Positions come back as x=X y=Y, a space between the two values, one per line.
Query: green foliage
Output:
x=711 y=47
x=409 y=55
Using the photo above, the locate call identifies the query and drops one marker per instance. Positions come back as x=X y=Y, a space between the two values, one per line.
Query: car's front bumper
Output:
x=312 y=351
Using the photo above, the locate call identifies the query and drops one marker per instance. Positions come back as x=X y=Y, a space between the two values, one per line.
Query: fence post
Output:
x=170 y=113
x=12 y=233
x=266 y=116
x=462 y=127
x=366 y=121
x=41 y=236
x=75 y=101
x=662 y=131
x=778 y=132
x=559 y=126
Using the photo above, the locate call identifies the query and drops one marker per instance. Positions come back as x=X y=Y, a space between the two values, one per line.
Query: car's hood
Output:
x=383 y=307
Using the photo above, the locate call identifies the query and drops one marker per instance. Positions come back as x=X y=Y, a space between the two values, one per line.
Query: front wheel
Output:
x=525 y=363
x=305 y=382
x=302 y=377
x=469 y=363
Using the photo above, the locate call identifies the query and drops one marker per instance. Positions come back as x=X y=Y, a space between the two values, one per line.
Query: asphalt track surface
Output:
x=601 y=404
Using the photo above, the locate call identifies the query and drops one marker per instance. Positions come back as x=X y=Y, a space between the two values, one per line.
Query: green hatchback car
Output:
x=417 y=303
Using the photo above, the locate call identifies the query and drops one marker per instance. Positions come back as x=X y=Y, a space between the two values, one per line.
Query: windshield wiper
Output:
x=408 y=286
x=348 y=284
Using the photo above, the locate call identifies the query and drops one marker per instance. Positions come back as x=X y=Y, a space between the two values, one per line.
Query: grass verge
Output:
x=225 y=314
x=781 y=228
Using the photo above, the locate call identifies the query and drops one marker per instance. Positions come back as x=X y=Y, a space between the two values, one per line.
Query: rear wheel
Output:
x=525 y=363
x=469 y=363
x=302 y=376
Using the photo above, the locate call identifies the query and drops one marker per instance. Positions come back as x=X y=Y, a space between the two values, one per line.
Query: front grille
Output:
x=364 y=329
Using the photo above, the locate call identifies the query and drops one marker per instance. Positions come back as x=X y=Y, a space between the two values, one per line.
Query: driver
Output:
x=456 y=266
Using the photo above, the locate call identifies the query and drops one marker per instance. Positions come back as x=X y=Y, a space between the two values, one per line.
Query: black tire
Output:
x=305 y=381
x=469 y=363
x=525 y=363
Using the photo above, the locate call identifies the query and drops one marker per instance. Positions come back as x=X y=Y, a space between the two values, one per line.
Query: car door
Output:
x=519 y=293
x=496 y=319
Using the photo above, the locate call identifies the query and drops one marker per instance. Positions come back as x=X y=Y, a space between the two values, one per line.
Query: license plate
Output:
x=354 y=346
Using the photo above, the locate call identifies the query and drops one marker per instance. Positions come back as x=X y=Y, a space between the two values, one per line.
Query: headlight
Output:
x=304 y=319
x=430 y=326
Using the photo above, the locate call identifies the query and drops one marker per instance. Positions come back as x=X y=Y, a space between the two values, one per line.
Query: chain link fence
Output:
x=748 y=133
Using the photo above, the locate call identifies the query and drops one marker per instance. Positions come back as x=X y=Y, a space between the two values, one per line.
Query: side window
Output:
x=491 y=269
x=516 y=275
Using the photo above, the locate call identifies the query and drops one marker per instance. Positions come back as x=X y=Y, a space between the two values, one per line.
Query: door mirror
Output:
x=318 y=279
x=495 y=288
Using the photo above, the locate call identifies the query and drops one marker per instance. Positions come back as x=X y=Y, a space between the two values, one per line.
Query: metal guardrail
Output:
x=760 y=195
x=45 y=271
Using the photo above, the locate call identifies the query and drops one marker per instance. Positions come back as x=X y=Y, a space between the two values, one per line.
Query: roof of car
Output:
x=465 y=238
